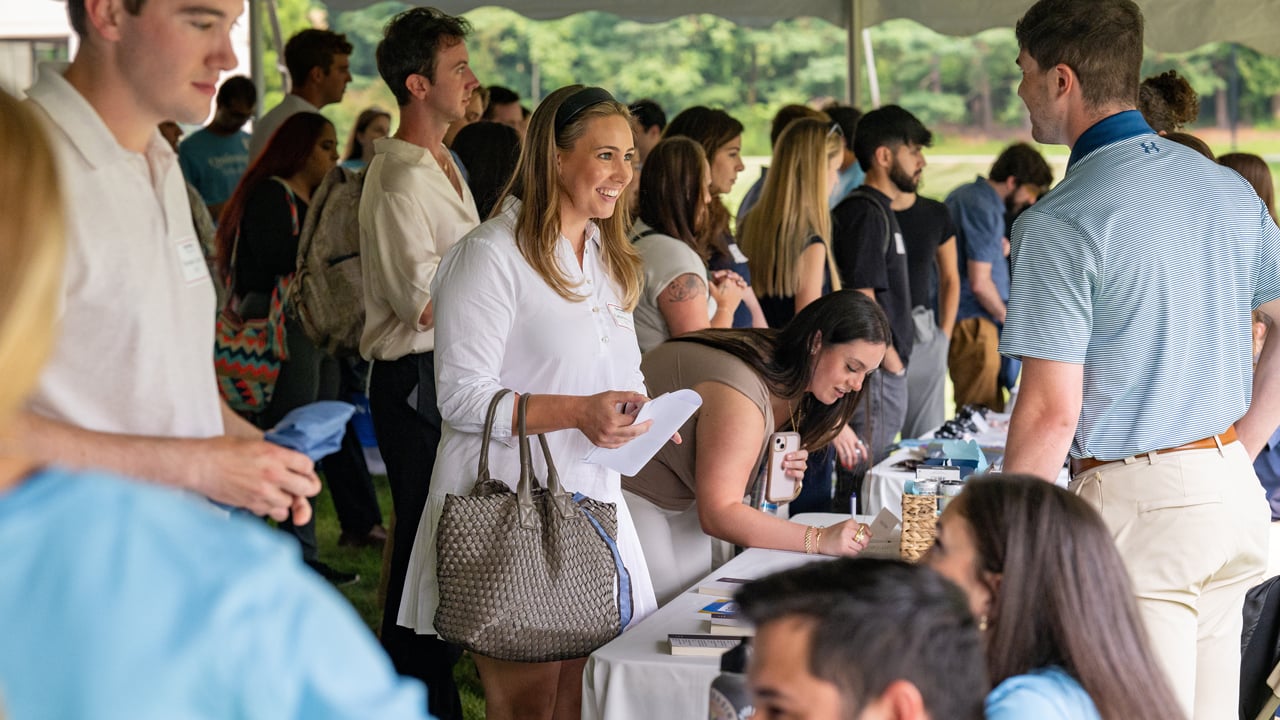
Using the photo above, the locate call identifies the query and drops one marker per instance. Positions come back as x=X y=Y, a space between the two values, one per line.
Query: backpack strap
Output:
x=293 y=202
x=861 y=192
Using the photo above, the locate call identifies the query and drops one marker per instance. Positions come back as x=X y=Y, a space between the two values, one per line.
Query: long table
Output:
x=636 y=677
x=884 y=483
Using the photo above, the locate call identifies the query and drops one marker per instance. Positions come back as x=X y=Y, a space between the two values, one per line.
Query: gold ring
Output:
x=862 y=533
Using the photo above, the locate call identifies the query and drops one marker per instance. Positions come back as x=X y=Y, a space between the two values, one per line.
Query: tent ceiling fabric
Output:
x=1172 y=25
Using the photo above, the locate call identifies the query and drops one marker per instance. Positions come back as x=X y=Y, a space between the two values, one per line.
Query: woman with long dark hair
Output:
x=680 y=294
x=720 y=135
x=804 y=378
x=1064 y=640
x=489 y=151
x=261 y=221
x=538 y=300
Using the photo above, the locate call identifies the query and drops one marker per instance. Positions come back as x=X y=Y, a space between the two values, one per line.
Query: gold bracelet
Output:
x=808 y=540
x=817 y=540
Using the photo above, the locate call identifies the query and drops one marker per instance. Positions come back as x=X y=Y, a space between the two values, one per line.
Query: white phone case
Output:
x=778 y=487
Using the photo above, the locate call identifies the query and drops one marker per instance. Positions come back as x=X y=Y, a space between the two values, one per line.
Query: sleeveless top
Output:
x=668 y=479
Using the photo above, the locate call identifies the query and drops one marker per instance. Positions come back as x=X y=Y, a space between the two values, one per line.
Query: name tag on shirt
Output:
x=897 y=241
x=621 y=318
x=191 y=259
x=736 y=252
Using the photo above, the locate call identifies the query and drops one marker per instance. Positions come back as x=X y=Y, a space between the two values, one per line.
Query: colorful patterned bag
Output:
x=247 y=354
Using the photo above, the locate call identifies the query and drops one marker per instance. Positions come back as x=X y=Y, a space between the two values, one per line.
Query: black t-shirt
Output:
x=925 y=225
x=859 y=244
x=267 y=248
x=778 y=311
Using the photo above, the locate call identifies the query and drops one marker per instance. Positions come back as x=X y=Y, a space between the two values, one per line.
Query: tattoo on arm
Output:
x=685 y=287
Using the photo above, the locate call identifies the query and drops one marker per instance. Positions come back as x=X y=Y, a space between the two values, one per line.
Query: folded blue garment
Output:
x=314 y=430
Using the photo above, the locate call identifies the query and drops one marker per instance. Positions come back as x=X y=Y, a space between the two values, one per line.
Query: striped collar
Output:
x=1113 y=128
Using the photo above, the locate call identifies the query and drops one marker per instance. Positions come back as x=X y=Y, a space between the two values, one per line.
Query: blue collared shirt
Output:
x=978 y=212
x=1143 y=265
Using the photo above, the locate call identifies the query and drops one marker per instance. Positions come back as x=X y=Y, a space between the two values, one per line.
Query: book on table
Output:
x=704 y=645
x=730 y=624
x=722 y=587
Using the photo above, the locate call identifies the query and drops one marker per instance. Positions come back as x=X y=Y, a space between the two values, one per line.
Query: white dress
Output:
x=500 y=325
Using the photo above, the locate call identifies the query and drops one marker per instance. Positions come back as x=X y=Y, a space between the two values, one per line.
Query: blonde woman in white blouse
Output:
x=539 y=300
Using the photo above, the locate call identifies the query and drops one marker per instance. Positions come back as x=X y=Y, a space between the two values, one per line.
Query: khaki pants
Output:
x=974 y=363
x=1192 y=528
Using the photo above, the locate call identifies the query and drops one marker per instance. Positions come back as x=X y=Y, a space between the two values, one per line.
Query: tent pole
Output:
x=853 y=39
x=255 y=52
x=277 y=41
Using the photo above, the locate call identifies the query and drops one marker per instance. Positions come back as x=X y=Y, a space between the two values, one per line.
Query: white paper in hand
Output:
x=668 y=412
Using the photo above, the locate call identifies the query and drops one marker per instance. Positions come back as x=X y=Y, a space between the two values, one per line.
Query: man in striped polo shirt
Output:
x=1133 y=282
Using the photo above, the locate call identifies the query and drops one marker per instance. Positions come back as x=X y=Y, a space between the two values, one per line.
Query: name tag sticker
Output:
x=191 y=259
x=897 y=240
x=622 y=318
x=736 y=252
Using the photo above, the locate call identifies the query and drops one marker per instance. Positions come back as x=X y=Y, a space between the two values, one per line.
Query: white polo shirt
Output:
x=134 y=352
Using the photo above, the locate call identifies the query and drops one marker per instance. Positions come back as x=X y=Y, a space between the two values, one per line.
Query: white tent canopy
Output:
x=1171 y=25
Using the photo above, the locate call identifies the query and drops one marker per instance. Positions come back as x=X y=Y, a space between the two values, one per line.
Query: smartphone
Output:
x=778 y=487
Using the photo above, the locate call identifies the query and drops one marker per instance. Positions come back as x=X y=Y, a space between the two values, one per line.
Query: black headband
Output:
x=579 y=101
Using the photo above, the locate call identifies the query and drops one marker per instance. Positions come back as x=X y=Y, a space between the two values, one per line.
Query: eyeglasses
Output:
x=835 y=130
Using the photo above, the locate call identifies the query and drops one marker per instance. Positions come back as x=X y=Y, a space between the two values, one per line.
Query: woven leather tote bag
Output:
x=529 y=576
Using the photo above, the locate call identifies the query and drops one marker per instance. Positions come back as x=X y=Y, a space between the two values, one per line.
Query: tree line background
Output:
x=960 y=86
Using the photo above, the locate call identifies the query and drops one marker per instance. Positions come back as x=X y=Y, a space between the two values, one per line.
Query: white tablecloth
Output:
x=884 y=483
x=636 y=677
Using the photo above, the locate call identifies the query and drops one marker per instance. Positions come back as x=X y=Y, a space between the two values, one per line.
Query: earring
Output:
x=982 y=624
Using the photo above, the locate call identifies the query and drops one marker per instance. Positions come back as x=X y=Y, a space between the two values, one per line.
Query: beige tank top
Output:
x=668 y=479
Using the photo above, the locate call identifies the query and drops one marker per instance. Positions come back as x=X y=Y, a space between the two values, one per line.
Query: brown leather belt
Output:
x=1083 y=465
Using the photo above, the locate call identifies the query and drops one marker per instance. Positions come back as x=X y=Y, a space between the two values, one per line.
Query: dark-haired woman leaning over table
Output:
x=804 y=378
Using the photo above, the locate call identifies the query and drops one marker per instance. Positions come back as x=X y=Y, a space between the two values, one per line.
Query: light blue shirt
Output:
x=1046 y=694
x=852 y=177
x=1143 y=265
x=978 y=212
x=214 y=164
x=122 y=600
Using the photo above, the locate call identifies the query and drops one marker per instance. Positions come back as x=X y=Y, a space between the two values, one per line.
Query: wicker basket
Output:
x=919 y=525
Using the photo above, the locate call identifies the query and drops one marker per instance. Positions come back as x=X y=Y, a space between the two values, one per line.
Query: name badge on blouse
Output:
x=621 y=318
x=736 y=252
x=191 y=259
x=897 y=240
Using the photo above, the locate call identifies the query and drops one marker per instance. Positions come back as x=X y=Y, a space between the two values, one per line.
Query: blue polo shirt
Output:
x=1143 y=265
x=978 y=213
x=124 y=600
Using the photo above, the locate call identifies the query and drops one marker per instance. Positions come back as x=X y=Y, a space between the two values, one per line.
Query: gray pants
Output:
x=881 y=411
x=926 y=376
